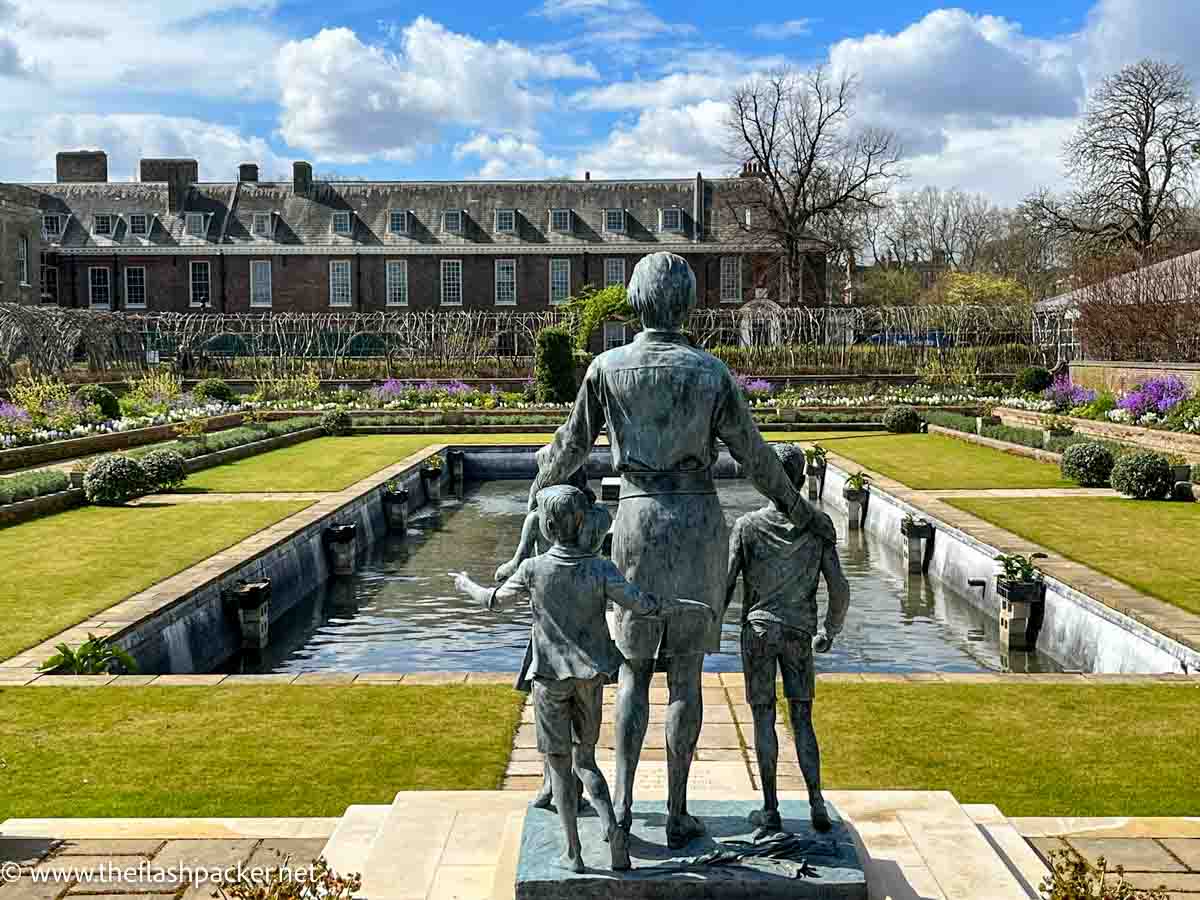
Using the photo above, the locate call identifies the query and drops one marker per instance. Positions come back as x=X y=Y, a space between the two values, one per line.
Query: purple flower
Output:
x=456 y=387
x=1158 y=395
x=13 y=415
x=1064 y=395
x=754 y=386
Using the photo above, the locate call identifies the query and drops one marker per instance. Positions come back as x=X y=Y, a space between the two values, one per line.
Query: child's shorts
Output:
x=766 y=644
x=567 y=711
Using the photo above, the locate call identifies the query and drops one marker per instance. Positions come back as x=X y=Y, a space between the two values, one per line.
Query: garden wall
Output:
x=1123 y=376
x=1186 y=445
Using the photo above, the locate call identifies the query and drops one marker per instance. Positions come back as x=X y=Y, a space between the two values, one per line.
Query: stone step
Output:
x=350 y=844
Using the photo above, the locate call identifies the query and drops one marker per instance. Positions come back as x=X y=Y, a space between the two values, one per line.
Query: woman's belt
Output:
x=652 y=484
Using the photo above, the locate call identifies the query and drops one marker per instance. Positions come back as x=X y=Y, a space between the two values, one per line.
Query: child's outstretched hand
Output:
x=822 y=643
x=462 y=581
x=681 y=605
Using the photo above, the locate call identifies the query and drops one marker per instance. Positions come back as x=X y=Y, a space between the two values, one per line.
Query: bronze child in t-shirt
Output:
x=781 y=566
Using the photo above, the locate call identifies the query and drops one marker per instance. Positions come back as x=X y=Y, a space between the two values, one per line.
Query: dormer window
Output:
x=102 y=224
x=341 y=222
x=671 y=219
x=51 y=227
x=506 y=221
x=139 y=224
x=196 y=225
x=452 y=220
x=398 y=221
x=560 y=220
x=260 y=225
x=614 y=220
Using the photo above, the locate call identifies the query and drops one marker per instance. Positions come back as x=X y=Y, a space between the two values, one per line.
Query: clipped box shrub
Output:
x=336 y=422
x=1032 y=380
x=902 y=420
x=1088 y=464
x=164 y=468
x=554 y=366
x=102 y=398
x=1144 y=475
x=214 y=390
x=112 y=480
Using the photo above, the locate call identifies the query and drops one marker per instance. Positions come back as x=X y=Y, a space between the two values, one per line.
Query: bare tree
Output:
x=793 y=130
x=1130 y=160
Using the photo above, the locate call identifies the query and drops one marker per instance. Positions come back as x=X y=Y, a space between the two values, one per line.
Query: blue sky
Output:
x=981 y=95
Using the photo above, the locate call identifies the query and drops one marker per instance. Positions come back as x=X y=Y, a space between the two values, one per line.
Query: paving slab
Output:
x=1131 y=854
x=25 y=851
x=205 y=853
x=1186 y=850
x=26 y=888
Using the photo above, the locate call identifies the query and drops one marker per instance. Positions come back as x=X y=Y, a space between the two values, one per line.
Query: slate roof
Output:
x=305 y=221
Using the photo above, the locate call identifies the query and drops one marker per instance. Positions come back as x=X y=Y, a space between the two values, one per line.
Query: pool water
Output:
x=400 y=613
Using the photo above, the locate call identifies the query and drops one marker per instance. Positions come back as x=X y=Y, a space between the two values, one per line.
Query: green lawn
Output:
x=935 y=462
x=1033 y=750
x=1152 y=546
x=332 y=463
x=61 y=569
x=245 y=751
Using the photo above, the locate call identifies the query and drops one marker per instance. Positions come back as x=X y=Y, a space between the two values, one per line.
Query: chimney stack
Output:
x=587 y=176
x=248 y=172
x=81 y=165
x=179 y=174
x=301 y=178
x=752 y=169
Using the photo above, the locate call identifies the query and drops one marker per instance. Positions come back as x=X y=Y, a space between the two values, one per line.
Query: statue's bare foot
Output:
x=572 y=862
x=820 y=815
x=618 y=846
x=767 y=820
x=681 y=829
x=625 y=820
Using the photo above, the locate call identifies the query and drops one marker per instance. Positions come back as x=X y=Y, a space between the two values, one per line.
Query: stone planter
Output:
x=431 y=478
x=395 y=510
x=253 y=600
x=916 y=531
x=856 y=506
x=76 y=478
x=341 y=543
x=815 y=477
x=1022 y=609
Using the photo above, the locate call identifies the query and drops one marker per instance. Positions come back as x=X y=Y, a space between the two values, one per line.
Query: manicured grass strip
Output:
x=246 y=751
x=333 y=463
x=936 y=462
x=1033 y=750
x=62 y=569
x=1151 y=546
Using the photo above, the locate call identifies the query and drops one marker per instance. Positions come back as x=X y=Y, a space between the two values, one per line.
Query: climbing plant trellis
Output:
x=442 y=343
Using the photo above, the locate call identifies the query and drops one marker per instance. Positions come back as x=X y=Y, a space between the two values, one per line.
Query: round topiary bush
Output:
x=1144 y=475
x=1088 y=464
x=111 y=480
x=554 y=366
x=165 y=469
x=214 y=390
x=902 y=420
x=102 y=398
x=1032 y=380
x=336 y=422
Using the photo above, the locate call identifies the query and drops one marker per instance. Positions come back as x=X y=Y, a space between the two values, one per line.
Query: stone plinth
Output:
x=816 y=865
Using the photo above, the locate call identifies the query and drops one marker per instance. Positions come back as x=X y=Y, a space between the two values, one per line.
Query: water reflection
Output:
x=400 y=612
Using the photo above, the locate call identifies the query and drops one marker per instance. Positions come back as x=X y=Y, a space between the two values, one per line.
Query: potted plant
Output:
x=431 y=477
x=815 y=467
x=1020 y=581
x=913 y=527
x=395 y=506
x=855 y=488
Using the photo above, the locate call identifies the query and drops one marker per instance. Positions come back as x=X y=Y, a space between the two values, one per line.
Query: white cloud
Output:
x=781 y=31
x=509 y=156
x=663 y=143
x=348 y=101
x=671 y=90
x=613 y=22
x=129 y=138
x=1120 y=32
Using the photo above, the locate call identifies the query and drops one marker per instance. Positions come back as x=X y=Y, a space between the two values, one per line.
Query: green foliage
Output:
x=980 y=289
x=101 y=398
x=858 y=481
x=336 y=422
x=890 y=287
x=1072 y=878
x=1059 y=425
x=554 y=366
x=1143 y=475
x=191 y=431
x=95 y=656
x=28 y=485
x=816 y=454
x=1016 y=568
x=47 y=401
x=1105 y=402
x=1088 y=463
x=1032 y=380
x=592 y=308
x=152 y=393
x=214 y=390
x=320 y=883
x=302 y=387
x=902 y=420
x=953 y=421
x=165 y=469
x=112 y=480
x=434 y=463
x=233 y=437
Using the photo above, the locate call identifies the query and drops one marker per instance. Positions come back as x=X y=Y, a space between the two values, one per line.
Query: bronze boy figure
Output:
x=781 y=565
x=573 y=654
